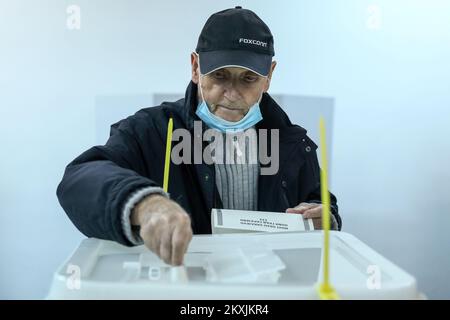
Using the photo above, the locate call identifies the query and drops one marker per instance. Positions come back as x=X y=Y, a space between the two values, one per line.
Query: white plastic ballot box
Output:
x=285 y=265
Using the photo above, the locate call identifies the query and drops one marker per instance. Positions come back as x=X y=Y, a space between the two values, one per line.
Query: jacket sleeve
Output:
x=315 y=194
x=97 y=184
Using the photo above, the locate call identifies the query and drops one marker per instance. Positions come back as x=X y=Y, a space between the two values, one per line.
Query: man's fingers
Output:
x=297 y=211
x=317 y=223
x=146 y=234
x=165 y=251
x=181 y=237
x=313 y=212
x=165 y=228
x=301 y=208
x=155 y=233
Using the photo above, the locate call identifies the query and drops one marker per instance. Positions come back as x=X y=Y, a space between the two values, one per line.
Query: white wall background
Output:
x=392 y=119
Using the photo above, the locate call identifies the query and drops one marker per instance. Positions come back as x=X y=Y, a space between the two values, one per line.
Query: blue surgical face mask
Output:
x=252 y=117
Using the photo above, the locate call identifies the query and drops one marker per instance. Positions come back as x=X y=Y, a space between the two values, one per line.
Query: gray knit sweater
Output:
x=237 y=178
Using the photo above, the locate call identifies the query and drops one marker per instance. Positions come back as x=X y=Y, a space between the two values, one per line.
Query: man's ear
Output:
x=269 y=76
x=194 y=68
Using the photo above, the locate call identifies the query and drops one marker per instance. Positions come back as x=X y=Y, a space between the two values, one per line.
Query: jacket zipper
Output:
x=285 y=197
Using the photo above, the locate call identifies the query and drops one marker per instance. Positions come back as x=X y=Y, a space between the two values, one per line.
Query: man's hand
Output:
x=309 y=211
x=165 y=227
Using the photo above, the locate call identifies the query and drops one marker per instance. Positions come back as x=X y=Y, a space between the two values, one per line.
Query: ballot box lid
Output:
x=285 y=265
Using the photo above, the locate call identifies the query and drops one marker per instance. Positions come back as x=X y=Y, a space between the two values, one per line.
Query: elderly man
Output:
x=114 y=191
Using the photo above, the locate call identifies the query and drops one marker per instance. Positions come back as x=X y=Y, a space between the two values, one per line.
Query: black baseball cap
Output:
x=235 y=38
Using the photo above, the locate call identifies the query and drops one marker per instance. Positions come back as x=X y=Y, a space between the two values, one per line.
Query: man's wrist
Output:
x=144 y=207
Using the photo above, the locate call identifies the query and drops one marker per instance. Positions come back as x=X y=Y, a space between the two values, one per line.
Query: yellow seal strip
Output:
x=168 y=152
x=325 y=290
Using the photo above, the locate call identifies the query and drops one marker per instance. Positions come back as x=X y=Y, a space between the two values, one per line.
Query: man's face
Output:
x=230 y=92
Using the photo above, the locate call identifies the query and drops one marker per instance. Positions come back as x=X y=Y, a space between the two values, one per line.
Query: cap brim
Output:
x=256 y=62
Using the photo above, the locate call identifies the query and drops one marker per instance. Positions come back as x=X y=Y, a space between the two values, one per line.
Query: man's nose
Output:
x=231 y=93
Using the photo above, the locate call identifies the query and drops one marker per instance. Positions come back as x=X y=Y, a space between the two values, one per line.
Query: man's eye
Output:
x=250 y=78
x=219 y=75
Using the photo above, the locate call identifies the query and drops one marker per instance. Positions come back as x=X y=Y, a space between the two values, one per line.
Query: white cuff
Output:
x=133 y=236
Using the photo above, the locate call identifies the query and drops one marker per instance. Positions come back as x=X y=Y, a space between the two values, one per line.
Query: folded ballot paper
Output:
x=238 y=221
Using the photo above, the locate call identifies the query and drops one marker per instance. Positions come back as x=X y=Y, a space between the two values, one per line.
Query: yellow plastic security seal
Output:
x=325 y=290
x=168 y=152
